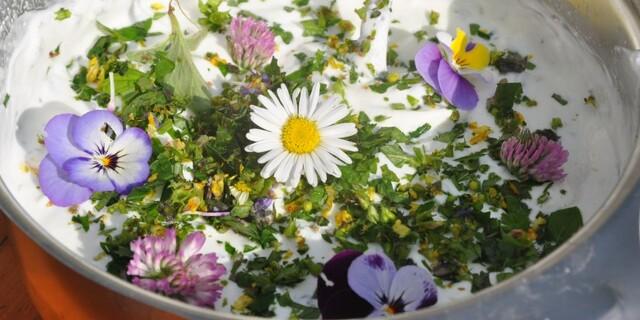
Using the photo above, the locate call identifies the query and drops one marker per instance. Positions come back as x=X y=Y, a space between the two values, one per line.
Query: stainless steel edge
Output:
x=614 y=211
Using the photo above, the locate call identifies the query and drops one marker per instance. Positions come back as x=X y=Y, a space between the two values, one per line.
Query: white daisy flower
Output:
x=300 y=136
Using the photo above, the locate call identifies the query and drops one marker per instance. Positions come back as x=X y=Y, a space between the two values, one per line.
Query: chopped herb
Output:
x=559 y=99
x=562 y=224
x=300 y=3
x=476 y=30
x=55 y=52
x=83 y=220
x=214 y=19
x=62 y=14
x=398 y=106
x=509 y=61
x=433 y=16
x=556 y=123
x=502 y=103
x=591 y=100
x=5 y=101
x=286 y=36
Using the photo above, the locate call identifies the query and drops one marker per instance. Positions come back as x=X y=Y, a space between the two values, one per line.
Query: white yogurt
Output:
x=39 y=87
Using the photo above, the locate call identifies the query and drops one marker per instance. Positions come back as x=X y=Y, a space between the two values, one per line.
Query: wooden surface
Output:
x=14 y=300
x=32 y=280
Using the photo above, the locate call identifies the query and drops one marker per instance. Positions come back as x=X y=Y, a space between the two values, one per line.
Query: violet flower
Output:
x=158 y=265
x=92 y=153
x=263 y=210
x=251 y=42
x=444 y=67
x=354 y=285
x=530 y=155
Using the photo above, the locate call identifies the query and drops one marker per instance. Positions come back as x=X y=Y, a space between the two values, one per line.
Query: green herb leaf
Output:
x=62 y=14
x=562 y=224
x=559 y=99
x=214 y=19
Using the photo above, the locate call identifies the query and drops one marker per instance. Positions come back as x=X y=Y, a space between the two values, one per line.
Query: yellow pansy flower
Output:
x=472 y=56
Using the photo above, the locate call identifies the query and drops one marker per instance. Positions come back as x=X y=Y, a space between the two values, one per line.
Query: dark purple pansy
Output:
x=336 y=300
x=374 y=279
x=92 y=153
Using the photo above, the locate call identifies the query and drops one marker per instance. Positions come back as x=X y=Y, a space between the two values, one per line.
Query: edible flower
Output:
x=300 y=136
x=251 y=42
x=531 y=155
x=355 y=285
x=159 y=265
x=445 y=66
x=92 y=153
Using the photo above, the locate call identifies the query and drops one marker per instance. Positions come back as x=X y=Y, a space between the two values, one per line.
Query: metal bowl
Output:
x=593 y=275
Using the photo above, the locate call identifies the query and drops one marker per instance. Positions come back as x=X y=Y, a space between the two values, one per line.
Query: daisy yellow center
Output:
x=300 y=135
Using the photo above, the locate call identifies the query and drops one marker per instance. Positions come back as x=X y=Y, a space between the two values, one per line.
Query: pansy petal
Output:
x=370 y=276
x=88 y=131
x=336 y=300
x=129 y=175
x=414 y=286
x=133 y=145
x=57 y=139
x=428 y=61
x=455 y=88
x=191 y=245
x=85 y=172
x=60 y=192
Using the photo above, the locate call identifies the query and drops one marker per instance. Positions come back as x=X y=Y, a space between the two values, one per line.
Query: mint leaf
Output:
x=562 y=224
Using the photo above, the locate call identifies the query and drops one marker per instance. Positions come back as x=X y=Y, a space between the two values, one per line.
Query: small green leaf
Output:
x=562 y=224
x=62 y=14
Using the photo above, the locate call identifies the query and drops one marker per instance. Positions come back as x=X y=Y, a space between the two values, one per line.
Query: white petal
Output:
x=273 y=107
x=339 y=144
x=314 y=98
x=297 y=170
x=272 y=165
x=278 y=103
x=340 y=130
x=309 y=173
x=336 y=152
x=264 y=123
x=276 y=118
x=325 y=108
x=270 y=155
x=338 y=113
x=256 y=135
x=285 y=99
x=294 y=99
x=445 y=38
x=319 y=166
x=285 y=168
x=263 y=146
x=330 y=162
x=303 y=104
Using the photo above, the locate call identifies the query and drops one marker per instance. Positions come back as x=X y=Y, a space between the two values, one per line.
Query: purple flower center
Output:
x=375 y=261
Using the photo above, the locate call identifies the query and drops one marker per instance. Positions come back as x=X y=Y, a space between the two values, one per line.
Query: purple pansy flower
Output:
x=158 y=265
x=444 y=67
x=355 y=285
x=251 y=42
x=92 y=153
x=531 y=155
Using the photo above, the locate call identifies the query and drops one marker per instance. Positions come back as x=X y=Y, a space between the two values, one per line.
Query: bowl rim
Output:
x=629 y=10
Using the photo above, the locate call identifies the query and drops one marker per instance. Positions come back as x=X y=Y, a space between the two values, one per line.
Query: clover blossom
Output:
x=251 y=42
x=159 y=265
x=531 y=155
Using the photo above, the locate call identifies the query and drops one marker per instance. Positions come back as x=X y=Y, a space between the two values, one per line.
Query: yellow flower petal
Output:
x=476 y=59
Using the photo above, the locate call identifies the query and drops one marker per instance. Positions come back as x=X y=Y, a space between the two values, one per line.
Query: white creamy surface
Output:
x=40 y=88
